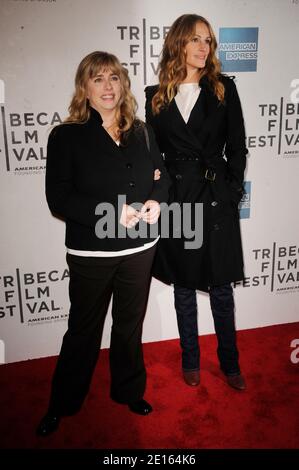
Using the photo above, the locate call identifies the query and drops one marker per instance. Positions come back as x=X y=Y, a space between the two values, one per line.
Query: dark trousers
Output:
x=92 y=283
x=222 y=306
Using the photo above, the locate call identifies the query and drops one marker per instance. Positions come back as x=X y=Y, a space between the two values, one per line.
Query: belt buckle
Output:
x=210 y=175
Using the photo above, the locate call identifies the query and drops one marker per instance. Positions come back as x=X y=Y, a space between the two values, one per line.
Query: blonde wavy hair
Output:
x=89 y=67
x=172 y=66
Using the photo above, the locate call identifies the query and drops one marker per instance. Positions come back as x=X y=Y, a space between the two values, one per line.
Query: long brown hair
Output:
x=90 y=66
x=172 y=66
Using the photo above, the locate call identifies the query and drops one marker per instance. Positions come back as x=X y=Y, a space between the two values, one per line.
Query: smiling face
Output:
x=104 y=91
x=197 y=48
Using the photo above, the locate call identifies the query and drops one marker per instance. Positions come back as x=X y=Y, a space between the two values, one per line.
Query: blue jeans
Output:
x=222 y=305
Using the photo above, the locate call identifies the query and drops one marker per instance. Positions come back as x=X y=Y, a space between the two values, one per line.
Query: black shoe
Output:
x=191 y=377
x=48 y=424
x=141 y=407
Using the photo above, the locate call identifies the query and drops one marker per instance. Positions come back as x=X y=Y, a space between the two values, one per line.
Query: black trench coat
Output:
x=211 y=145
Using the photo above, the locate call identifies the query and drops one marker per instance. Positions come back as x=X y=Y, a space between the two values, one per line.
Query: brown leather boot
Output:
x=236 y=381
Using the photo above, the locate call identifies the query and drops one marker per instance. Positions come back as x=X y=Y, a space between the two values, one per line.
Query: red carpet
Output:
x=211 y=416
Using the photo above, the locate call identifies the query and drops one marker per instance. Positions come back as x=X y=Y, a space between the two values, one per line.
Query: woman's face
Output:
x=197 y=48
x=104 y=91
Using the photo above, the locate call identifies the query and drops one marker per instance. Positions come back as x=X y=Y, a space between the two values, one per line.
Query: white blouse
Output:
x=186 y=98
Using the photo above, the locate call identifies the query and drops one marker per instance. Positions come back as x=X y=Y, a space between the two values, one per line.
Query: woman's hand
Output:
x=150 y=211
x=157 y=174
x=129 y=216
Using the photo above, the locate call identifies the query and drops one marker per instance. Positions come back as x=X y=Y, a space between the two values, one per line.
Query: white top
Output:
x=186 y=98
x=112 y=254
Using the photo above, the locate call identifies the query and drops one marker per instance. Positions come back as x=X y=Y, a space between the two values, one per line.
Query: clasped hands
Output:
x=149 y=212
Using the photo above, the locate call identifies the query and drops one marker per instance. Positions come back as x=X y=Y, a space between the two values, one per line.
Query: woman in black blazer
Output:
x=197 y=118
x=100 y=162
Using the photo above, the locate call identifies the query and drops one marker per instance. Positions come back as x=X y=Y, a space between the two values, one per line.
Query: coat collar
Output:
x=205 y=106
x=204 y=82
x=100 y=135
x=95 y=116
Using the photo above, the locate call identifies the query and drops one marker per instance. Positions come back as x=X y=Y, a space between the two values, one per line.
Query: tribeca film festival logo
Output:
x=280 y=122
x=238 y=49
x=276 y=269
x=24 y=135
x=31 y=296
x=145 y=43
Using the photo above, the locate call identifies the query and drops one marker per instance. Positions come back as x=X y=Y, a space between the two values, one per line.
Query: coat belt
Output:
x=205 y=171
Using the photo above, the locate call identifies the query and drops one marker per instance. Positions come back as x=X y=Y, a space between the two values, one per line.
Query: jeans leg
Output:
x=222 y=305
x=186 y=310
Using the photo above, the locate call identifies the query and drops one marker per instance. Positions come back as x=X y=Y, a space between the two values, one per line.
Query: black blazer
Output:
x=213 y=139
x=86 y=167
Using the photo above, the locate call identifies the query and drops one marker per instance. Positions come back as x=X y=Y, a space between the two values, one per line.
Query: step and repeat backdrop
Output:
x=42 y=42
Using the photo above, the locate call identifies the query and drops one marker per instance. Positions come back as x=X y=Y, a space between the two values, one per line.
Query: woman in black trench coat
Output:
x=197 y=118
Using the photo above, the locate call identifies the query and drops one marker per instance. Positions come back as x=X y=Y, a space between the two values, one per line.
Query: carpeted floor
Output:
x=211 y=416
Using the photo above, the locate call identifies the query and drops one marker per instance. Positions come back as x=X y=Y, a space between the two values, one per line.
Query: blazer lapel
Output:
x=210 y=102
